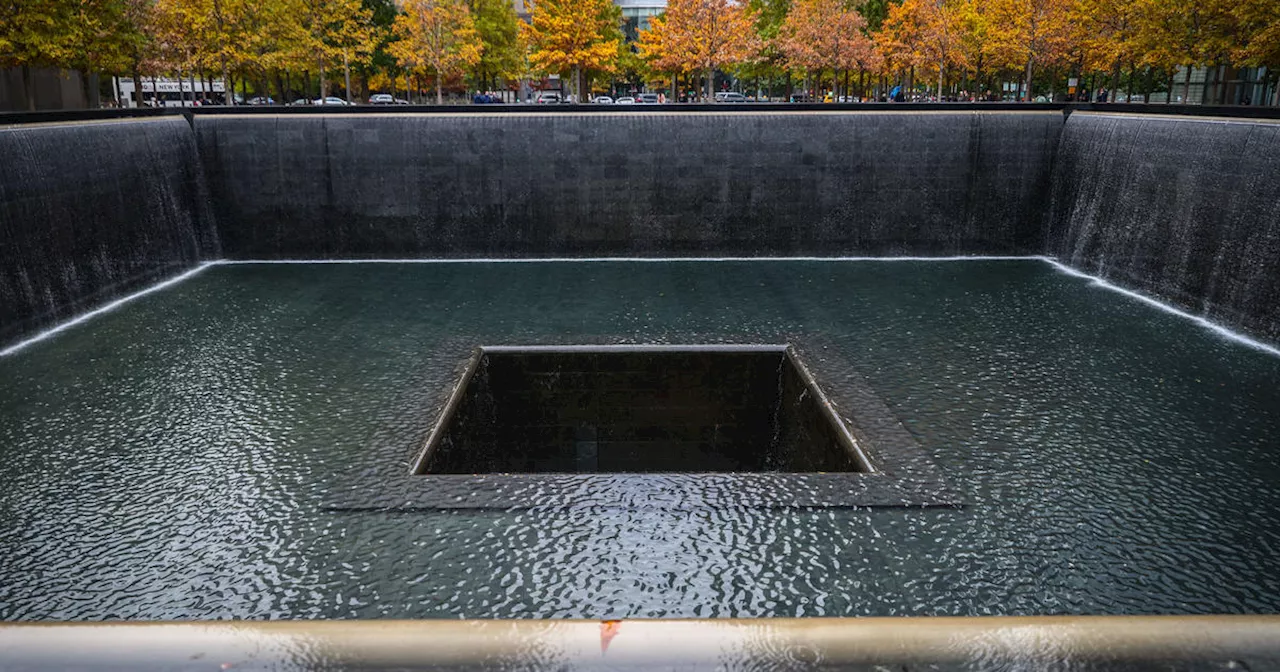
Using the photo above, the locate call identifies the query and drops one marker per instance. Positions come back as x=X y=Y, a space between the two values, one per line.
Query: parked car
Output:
x=301 y=101
x=603 y=100
x=625 y=100
x=262 y=100
x=382 y=99
x=730 y=97
x=330 y=100
x=547 y=98
x=647 y=98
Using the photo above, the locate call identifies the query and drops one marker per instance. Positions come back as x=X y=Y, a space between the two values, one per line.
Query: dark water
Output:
x=168 y=460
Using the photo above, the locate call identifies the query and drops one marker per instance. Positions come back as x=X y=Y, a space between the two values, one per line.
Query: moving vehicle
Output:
x=647 y=98
x=330 y=100
x=603 y=100
x=625 y=100
x=547 y=98
x=730 y=97
x=382 y=99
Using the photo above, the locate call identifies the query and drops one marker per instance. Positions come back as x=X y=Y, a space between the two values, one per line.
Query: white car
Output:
x=382 y=99
x=547 y=98
x=331 y=100
x=603 y=100
x=625 y=100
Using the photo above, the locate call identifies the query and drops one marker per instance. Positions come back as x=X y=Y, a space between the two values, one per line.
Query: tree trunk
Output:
x=346 y=75
x=439 y=90
x=1128 y=87
x=711 y=84
x=281 y=87
x=29 y=88
x=85 y=89
x=675 y=87
x=1115 y=80
x=1030 y=71
x=1186 y=87
x=941 y=70
x=226 y=80
x=1168 y=99
x=324 y=84
x=137 y=86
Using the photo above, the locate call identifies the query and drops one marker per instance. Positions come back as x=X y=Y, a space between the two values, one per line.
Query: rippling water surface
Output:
x=170 y=459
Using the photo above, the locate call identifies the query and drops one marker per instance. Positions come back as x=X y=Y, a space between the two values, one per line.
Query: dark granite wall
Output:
x=89 y=211
x=1185 y=209
x=701 y=183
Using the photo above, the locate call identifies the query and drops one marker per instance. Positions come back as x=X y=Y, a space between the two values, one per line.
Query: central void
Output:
x=637 y=409
x=172 y=459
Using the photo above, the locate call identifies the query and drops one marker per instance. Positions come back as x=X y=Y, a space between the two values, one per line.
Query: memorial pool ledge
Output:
x=1086 y=642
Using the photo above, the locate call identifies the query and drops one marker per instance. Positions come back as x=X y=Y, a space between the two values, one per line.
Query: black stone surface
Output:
x=653 y=184
x=1183 y=209
x=89 y=211
x=636 y=410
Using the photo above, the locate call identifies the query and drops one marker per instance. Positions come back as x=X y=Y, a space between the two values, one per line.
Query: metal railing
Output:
x=1044 y=642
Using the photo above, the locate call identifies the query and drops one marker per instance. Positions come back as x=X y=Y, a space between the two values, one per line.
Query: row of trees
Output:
x=953 y=44
x=963 y=44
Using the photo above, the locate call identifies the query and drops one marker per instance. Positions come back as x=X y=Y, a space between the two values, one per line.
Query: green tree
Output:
x=335 y=32
x=499 y=30
x=34 y=33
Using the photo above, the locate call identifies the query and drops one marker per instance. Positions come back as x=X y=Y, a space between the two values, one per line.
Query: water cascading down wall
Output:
x=90 y=211
x=1184 y=209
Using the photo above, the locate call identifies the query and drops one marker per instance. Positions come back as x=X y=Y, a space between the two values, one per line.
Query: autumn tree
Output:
x=703 y=35
x=820 y=34
x=1029 y=33
x=573 y=36
x=439 y=35
x=928 y=34
x=1259 y=31
x=1106 y=30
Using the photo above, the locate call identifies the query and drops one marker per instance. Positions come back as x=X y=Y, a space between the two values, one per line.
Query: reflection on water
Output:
x=168 y=460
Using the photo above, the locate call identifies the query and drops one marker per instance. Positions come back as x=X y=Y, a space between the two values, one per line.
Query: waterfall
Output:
x=89 y=211
x=1185 y=209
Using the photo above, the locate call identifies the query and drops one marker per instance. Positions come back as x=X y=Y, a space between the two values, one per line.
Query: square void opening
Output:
x=638 y=409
